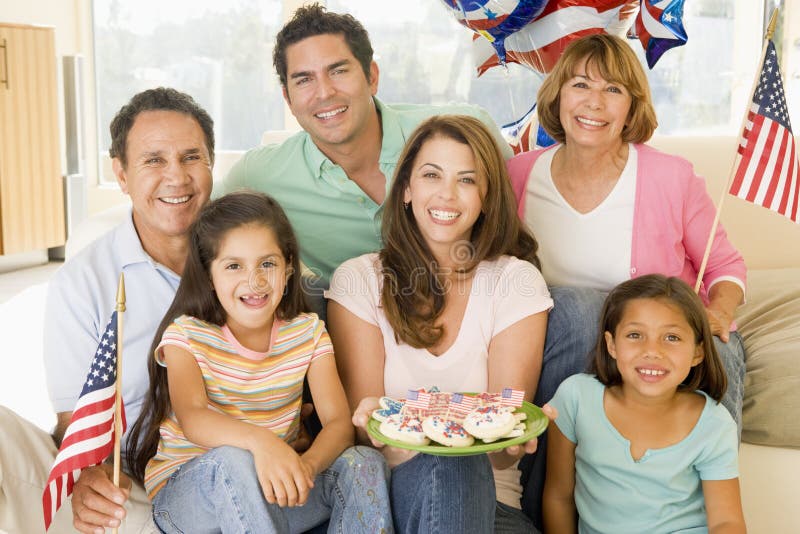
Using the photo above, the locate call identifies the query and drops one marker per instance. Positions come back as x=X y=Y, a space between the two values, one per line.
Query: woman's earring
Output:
x=405 y=205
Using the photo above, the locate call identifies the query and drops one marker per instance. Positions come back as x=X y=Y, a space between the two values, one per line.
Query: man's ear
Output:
x=610 y=345
x=119 y=172
x=374 y=74
x=286 y=95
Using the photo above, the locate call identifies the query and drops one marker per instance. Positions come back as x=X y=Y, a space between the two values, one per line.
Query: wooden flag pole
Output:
x=118 y=402
x=770 y=31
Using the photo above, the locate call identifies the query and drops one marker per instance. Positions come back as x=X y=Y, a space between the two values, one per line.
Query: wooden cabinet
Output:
x=31 y=186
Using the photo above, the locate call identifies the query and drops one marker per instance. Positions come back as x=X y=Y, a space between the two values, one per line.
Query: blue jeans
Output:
x=219 y=492
x=572 y=327
x=732 y=356
x=508 y=520
x=443 y=494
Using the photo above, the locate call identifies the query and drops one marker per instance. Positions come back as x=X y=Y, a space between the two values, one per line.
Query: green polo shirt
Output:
x=333 y=218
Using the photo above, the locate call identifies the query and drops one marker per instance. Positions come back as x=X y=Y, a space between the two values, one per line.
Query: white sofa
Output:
x=770 y=452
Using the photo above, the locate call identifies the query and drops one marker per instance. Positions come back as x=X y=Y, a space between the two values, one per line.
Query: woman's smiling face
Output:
x=592 y=110
x=446 y=193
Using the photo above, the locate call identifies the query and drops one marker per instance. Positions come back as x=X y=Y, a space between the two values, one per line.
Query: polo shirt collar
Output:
x=391 y=144
x=127 y=242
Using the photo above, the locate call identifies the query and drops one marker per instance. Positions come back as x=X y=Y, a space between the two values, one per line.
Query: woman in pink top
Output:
x=453 y=300
x=606 y=207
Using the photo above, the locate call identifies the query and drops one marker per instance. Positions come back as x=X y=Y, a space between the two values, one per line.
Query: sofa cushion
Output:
x=770 y=325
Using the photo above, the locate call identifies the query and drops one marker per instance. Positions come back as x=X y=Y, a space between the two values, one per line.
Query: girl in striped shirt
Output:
x=226 y=381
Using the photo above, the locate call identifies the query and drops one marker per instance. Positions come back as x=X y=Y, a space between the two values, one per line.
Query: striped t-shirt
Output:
x=264 y=389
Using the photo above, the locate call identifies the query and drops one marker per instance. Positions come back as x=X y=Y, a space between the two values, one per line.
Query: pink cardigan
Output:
x=672 y=216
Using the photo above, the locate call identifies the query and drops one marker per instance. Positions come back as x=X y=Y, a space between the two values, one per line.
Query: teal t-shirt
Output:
x=333 y=218
x=662 y=491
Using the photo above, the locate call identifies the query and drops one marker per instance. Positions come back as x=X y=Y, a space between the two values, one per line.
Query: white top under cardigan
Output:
x=582 y=249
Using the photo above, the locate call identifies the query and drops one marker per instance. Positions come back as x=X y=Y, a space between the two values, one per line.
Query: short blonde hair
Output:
x=617 y=63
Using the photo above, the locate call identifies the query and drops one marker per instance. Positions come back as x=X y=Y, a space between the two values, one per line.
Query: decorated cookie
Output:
x=388 y=407
x=405 y=428
x=516 y=432
x=490 y=422
x=446 y=431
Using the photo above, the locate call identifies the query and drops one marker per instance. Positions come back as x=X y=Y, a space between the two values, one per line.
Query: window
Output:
x=220 y=52
x=695 y=86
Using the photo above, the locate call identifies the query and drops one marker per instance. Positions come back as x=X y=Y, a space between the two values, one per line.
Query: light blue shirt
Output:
x=80 y=299
x=332 y=216
x=660 y=492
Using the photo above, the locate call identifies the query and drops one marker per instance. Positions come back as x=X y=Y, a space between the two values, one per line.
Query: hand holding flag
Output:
x=89 y=438
x=98 y=420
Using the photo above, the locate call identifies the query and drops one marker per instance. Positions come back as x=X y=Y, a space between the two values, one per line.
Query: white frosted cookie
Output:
x=388 y=407
x=516 y=432
x=405 y=428
x=490 y=422
x=446 y=431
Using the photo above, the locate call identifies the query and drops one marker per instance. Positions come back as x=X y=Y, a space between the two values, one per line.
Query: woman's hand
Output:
x=394 y=455
x=284 y=477
x=720 y=322
x=362 y=414
x=724 y=297
x=506 y=457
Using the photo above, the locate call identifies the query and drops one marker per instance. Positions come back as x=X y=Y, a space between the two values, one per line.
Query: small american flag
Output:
x=89 y=438
x=767 y=173
x=461 y=404
x=512 y=397
x=418 y=399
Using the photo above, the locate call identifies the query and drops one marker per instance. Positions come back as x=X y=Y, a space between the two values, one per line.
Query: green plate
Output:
x=535 y=423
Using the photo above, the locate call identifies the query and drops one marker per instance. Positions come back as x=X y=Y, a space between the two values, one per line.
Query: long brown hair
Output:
x=708 y=375
x=414 y=290
x=196 y=297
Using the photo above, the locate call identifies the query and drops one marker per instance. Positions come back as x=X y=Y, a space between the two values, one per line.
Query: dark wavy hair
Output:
x=158 y=99
x=312 y=20
x=413 y=293
x=196 y=297
x=708 y=375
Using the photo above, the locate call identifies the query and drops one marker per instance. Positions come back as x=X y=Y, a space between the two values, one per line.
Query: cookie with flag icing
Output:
x=490 y=422
x=446 y=431
x=405 y=428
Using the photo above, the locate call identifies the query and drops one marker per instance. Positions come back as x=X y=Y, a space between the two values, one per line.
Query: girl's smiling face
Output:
x=249 y=276
x=446 y=194
x=654 y=348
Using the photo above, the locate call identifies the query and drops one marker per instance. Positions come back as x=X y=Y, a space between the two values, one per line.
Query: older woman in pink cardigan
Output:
x=605 y=207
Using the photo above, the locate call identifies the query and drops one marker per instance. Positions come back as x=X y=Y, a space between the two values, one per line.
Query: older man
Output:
x=163 y=152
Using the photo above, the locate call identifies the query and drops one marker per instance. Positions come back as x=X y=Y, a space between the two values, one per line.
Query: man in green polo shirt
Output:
x=333 y=177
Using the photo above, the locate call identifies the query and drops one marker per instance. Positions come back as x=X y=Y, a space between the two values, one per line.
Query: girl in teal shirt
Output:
x=644 y=445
